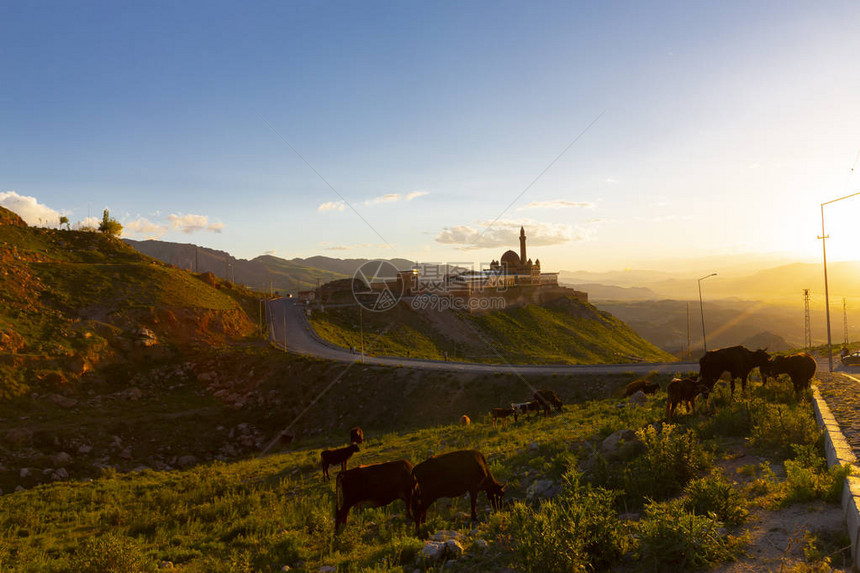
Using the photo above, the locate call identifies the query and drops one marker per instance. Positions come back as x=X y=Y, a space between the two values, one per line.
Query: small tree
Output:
x=64 y=221
x=109 y=225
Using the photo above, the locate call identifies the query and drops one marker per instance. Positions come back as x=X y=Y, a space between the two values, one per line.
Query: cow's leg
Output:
x=325 y=470
x=473 y=501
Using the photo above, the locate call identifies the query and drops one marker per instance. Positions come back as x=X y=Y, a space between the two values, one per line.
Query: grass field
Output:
x=262 y=514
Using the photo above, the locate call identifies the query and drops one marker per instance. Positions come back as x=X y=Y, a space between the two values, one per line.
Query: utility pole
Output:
x=807 y=331
x=702 y=311
x=196 y=259
x=361 y=322
x=285 y=326
x=845 y=321
x=689 y=349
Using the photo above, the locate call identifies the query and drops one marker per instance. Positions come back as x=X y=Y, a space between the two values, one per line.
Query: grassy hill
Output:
x=566 y=331
x=72 y=299
x=672 y=498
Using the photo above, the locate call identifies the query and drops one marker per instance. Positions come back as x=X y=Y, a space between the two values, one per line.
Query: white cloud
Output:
x=333 y=247
x=331 y=206
x=143 y=227
x=611 y=180
x=416 y=194
x=556 y=204
x=387 y=198
x=88 y=223
x=29 y=209
x=272 y=253
x=193 y=223
x=505 y=233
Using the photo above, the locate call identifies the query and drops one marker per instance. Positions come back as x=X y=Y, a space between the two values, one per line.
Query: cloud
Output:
x=556 y=204
x=272 y=253
x=88 y=223
x=387 y=198
x=505 y=233
x=29 y=209
x=416 y=194
x=327 y=246
x=193 y=223
x=143 y=227
x=331 y=206
x=611 y=180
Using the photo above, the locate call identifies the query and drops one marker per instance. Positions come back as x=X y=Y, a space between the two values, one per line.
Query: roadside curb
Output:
x=838 y=451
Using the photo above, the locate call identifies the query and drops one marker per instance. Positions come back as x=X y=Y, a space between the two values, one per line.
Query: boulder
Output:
x=61 y=459
x=637 y=399
x=186 y=461
x=453 y=549
x=480 y=545
x=621 y=444
x=19 y=436
x=433 y=551
x=542 y=488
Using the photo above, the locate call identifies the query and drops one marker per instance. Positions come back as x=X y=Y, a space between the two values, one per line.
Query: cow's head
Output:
x=761 y=357
x=495 y=494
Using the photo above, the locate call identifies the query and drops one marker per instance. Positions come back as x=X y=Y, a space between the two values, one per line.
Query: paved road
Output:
x=301 y=339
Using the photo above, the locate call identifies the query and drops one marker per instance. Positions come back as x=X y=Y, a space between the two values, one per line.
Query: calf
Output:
x=523 y=408
x=646 y=386
x=682 y=390
x=547 y=398
x=800 y=367
x=452 y=475
x=356 y=435
x=465 y=420
x=376 y=484
x=338 y=456
x=502 y=414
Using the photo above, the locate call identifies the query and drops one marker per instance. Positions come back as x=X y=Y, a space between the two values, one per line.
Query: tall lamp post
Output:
x=702 y=310
x=824 y=238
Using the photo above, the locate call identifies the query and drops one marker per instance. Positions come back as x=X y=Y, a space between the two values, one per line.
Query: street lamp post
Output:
x=702 y=310
x=824 y=236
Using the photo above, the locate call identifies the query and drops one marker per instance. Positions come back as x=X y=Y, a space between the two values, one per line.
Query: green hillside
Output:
x=72 y=299
x=668 y=499
x=566 y=331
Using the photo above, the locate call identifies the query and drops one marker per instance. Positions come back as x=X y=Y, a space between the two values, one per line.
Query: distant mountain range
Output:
x=260 y=273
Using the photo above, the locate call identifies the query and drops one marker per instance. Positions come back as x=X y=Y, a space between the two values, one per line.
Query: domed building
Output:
x=522 y=268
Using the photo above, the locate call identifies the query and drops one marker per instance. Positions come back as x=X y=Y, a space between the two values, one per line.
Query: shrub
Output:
x=670 y=460
x=110 y=554
x=807 y=483
x=576 y=531
x=671 y=538
x=715 y=494
x=778 y=427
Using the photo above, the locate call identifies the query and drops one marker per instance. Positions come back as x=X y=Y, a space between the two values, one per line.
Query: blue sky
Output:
x=720 y=126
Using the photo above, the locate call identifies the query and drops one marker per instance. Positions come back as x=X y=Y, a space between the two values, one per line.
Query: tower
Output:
x=807 y=332
x=523 y=246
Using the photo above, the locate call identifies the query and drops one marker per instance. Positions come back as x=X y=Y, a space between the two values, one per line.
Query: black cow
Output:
x=376 y=484
x=335 y=457
x=682 y=391
x=451 y=475
x=646 y=386
x=356 y=435
x=800 y=367
x=547 y=398
x=736 y=360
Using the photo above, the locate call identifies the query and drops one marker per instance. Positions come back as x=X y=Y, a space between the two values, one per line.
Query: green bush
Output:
x=778 y=427
x=807 y=483
x=111 y=554
x=714 y=494
x=671 y=459
x=577 y=531
x=671 y=538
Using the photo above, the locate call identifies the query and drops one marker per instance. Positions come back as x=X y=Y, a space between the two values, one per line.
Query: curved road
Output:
x=301 y=339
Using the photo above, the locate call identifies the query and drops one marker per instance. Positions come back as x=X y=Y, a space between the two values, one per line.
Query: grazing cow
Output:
x=736 y=360
x=376 y=484
x=800 y=367
x=335 y=457
x=682 y=391
x=465 y=420
x=646 y=386
x=547 y=398
x=452 y=475
x=523 y=408
x=502 y=414
x=356 y=435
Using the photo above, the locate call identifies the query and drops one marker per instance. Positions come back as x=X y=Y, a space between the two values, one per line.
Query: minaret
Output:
x=522 y=246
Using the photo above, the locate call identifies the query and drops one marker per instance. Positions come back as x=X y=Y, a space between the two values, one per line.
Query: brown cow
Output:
x=451 y=475
x=547 y=398
x=646 y=386
x=800 y=367
x=502 y=414
x=465 y=420
x=356 y=435
x=736 y=360
x=376 y=484
x=335 y=457
x=682 y=391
